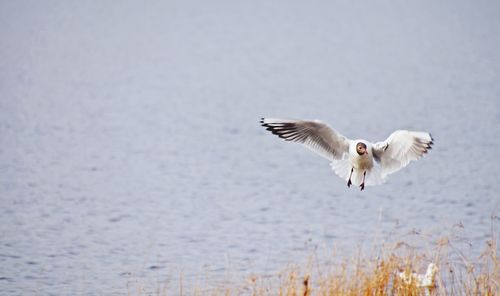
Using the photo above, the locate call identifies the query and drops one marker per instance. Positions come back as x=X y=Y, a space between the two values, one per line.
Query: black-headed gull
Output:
x=359 y=162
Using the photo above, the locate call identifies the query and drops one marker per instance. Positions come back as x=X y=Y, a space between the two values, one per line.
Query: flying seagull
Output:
x=359 y=162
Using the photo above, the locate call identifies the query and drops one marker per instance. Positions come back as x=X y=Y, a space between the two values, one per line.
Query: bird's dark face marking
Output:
x=361 y=148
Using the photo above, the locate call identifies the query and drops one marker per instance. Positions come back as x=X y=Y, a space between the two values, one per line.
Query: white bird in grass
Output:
x=426 y=280
x=359 y=162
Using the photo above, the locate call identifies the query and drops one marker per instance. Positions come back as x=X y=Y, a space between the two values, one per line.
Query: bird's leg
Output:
x=349 y=183
x=362 y=186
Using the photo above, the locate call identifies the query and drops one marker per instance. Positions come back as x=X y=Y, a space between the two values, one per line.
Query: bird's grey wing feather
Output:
x=315 y=135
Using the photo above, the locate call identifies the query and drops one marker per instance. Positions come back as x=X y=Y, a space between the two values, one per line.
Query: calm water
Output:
x=130 y=149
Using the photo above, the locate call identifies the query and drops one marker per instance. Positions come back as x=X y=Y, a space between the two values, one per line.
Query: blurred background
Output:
x=131 y=151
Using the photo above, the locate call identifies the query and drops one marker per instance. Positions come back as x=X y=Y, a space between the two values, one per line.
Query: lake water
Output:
x=131 y=151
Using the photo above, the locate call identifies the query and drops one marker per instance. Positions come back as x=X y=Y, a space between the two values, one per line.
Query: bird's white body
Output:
x=426 y=280
x=368 y=166
x=360 y=163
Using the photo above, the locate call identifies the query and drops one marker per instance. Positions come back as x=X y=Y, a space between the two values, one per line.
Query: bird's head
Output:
x=361 y=148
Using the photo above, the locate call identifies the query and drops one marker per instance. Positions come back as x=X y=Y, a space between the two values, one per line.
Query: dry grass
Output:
x=392 y=271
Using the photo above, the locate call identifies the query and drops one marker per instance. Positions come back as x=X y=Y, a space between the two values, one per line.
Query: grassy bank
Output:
x=395 y=268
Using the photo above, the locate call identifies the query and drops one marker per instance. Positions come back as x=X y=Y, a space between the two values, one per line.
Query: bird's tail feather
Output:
x=343 y=169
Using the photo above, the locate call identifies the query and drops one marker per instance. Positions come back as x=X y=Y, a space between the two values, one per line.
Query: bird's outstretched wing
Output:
x=315 y=135
x=400 y=148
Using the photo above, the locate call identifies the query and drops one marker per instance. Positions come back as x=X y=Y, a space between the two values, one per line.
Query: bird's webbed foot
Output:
x=349 y=183
x=362 y=186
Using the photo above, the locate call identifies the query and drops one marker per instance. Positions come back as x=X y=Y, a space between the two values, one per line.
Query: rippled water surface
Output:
x=131 y=153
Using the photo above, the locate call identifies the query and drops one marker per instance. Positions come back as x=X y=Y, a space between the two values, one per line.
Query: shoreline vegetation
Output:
x=395 y=268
